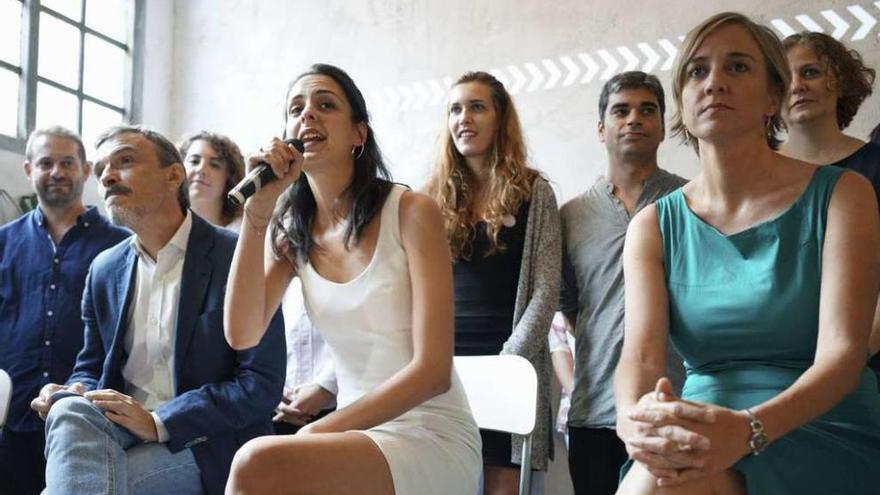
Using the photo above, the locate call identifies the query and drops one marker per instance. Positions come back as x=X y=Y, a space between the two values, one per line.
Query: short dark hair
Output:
x=166 y=152
x=634 y=79
x=58 y=132
x=852 y=78
x=230 y=154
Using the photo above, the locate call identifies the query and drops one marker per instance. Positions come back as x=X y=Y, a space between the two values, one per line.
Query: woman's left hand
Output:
x=728 y=437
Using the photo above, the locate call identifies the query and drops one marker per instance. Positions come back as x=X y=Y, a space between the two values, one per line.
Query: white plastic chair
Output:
x=503 y=394
x=5 y=396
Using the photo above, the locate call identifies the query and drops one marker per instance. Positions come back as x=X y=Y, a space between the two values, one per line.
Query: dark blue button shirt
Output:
x=41 y=287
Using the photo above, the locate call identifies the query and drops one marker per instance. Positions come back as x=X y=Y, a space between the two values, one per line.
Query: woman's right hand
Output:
x=659 y=431
x=286 y=161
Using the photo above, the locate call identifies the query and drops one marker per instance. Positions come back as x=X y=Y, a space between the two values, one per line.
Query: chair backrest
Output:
x=502 y=391
x=5 y=396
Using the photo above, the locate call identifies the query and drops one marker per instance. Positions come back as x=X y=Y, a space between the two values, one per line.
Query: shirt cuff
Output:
x=326 y=379
x=161 y=431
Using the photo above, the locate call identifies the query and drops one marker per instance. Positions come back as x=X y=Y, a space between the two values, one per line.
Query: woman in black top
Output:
x=489 y=196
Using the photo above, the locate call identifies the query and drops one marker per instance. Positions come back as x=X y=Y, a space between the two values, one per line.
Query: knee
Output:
x=250 y=467
x=70 y=408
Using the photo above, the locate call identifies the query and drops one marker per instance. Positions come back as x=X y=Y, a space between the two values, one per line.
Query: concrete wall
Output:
x=233 y=59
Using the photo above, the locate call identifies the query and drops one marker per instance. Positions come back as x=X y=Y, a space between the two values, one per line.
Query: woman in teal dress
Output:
x=763 y=271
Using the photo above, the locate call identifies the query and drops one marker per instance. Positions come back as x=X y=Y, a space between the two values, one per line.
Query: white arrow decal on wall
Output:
x=631 y=60
x=651 y=55
x=573 y=70
x=555 y=74
x=670 y=50
x=537 y=77
x=867 y=21
x=592 y=67
x=611 y=64
x=840 y=25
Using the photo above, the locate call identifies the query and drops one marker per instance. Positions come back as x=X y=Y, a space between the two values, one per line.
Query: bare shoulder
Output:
x=644 y=223
x=420 y=215
x=854 y=191
x=643 y=235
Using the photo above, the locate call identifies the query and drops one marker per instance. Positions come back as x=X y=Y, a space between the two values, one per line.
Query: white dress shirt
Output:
x=152 y=322
x=309 y=358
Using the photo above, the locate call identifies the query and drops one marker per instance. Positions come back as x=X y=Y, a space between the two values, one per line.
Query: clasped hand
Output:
x=679 y=440
x=118 y=407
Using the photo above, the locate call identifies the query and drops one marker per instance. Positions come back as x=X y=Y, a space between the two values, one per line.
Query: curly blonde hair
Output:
x=509 y=183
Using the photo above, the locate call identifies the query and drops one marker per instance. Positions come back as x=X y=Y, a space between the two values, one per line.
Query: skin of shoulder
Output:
x=419 y=214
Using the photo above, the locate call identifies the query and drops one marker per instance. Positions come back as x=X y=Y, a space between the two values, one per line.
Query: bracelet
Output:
x=758 y=440
x=250 y=217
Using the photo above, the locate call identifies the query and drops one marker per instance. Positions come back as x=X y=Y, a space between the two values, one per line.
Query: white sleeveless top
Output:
x=367 y=323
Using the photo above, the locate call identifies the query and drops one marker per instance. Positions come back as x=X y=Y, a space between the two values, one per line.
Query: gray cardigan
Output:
x=537 y=296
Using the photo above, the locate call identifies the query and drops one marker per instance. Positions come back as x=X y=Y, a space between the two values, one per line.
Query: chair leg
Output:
x=525 y=469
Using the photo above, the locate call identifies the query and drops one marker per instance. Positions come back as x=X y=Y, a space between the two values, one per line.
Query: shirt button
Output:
x=85 y=224
x=56 y=260
x=52 y=287
x=48 y=343
x=46 y=374
x=49 y=313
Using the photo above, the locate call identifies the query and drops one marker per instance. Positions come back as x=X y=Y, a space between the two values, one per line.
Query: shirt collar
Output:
x=84 y=219
x=177 y=242
x=609 y=187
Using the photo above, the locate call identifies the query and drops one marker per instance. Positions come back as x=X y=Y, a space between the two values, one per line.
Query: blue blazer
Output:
x=224 y=398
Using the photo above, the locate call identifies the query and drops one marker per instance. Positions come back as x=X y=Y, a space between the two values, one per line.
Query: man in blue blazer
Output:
x=158 y=402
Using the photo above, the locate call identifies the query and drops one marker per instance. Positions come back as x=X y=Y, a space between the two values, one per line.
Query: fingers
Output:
x=683 y=476
x=679 y=455
x=113 y=401
x=664 y=390
x=77 y=388
x=278 y=155
x=660 y=413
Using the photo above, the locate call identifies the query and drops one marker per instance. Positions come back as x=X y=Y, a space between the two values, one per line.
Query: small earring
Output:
x=359 y=152
x=687 y=135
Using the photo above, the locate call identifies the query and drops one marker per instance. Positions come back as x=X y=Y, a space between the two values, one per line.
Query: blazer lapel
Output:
x=195 y=280
x=124 y=285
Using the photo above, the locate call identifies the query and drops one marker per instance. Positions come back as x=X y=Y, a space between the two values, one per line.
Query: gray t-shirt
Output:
x=593 y=231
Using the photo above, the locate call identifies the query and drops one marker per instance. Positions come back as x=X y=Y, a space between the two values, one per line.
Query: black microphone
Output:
x=261 y=175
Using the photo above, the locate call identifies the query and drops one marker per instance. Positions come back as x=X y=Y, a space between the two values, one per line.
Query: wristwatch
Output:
x=758 y=439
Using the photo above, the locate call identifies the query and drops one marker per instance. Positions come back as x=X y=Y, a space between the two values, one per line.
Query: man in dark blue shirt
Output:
x=44 y=258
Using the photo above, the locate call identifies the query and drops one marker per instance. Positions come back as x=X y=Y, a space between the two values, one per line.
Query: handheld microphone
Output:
x=261 y=175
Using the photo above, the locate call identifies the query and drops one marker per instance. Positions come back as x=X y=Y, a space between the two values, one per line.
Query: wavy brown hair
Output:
x=848 y=74
x=230 y=154
x=454 y=185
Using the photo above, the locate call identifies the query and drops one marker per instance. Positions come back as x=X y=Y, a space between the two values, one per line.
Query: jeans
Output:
x=88 y=453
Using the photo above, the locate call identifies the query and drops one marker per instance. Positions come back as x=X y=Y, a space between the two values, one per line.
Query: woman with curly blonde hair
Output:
x=503 y=228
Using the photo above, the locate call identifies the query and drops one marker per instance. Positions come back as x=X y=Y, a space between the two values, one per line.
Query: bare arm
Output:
x=429 y=372
x=257 y=279
x=646 y=318
x=848 y=296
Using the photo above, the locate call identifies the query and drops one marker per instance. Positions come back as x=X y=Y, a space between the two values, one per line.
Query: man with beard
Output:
x=158 y=402
x=44 y=258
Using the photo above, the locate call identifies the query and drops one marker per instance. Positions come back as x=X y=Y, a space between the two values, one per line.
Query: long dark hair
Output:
x=370 y=184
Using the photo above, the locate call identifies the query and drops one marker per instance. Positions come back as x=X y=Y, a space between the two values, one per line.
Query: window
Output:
x=66 y=62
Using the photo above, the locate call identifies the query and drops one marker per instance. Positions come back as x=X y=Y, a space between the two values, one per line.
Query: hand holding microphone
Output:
x=280 y=160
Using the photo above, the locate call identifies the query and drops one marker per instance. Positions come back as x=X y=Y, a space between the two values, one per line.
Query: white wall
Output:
x=234 y=58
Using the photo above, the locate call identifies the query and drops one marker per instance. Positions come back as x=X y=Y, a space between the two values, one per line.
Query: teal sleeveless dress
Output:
x=744 y=313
